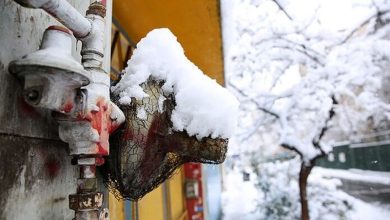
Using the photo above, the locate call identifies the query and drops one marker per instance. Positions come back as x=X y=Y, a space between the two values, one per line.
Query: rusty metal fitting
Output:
x=104 y=214
x=97 y=8
x=33 y=95
x=86 y=185
x=86 y=201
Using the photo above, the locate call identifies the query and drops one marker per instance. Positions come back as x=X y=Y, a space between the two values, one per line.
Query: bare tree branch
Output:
x=255 y=128
x=293 y=148
x=365 y=22
x=304 y=52
x=316 y=141
x=282 y=9
x=258 y=106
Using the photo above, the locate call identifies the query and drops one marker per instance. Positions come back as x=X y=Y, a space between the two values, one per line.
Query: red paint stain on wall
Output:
x=26 y=109
x=52 y=167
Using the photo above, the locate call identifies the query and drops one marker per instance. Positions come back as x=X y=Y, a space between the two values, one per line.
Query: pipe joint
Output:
x=64 y=13
x=93 y=44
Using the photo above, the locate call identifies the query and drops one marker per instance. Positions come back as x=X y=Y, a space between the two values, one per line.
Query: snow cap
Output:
x=203 y=107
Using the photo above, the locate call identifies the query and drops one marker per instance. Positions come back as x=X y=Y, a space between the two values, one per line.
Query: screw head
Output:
x=32 y=96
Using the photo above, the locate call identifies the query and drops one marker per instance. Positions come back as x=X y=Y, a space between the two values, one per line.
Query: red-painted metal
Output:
x=195 y=206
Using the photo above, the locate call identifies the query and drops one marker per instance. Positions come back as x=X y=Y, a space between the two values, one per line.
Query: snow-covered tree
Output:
x=277 y=184
x=308 y=73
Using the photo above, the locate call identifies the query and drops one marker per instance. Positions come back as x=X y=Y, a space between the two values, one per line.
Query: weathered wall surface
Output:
x=35 y=172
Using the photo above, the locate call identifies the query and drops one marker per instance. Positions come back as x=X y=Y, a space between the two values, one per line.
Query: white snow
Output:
x=366 y=211
x=286 y=66
x=353 y=174
x=292 y=67
x=239 y=198
x=141 y=113
x=161 y=100
x=360 y=210
x=274 y=194
x=203 y=107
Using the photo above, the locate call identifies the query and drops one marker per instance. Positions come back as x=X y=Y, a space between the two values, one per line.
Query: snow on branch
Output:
x=282 y=9
x=377 y=16
x=288 y=78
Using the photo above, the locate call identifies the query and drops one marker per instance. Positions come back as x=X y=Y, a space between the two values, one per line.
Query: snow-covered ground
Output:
x=352 y=174
x=239 y=198
x=242 y=199
x=361 y=210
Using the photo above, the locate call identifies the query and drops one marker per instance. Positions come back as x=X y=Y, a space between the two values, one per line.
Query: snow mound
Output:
x=203 y=107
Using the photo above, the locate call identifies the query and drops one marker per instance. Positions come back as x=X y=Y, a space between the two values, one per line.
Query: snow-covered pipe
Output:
x=64 y=13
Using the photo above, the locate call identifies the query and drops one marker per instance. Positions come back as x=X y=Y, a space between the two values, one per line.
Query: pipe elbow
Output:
x=64 y=13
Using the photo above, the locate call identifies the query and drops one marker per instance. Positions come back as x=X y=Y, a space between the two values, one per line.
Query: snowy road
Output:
x=368 y=192
x=239 y=198
x=369 y=186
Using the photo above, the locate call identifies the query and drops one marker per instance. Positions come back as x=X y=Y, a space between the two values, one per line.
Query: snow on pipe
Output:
x=64 y=13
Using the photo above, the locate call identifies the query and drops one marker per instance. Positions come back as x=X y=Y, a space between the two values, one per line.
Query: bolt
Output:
x=32 y=96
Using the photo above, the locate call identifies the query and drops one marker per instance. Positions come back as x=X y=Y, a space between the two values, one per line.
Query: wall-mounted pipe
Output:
x=64 y=13
x=87 y=132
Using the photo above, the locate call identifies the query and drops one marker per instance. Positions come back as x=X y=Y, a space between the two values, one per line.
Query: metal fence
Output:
x=366 y=156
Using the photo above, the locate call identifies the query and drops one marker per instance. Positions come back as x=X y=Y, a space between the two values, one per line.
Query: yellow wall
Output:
x=152 y=205
x=116 y=208
x=155 y=205
x=196 y=24
x=176 y=195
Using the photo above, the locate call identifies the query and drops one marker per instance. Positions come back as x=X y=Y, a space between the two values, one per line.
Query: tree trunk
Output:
x=303 y=175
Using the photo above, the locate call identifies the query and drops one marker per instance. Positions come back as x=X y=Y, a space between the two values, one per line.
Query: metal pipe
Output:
x=64 y=13
x=87 y=202
x=86 y=133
